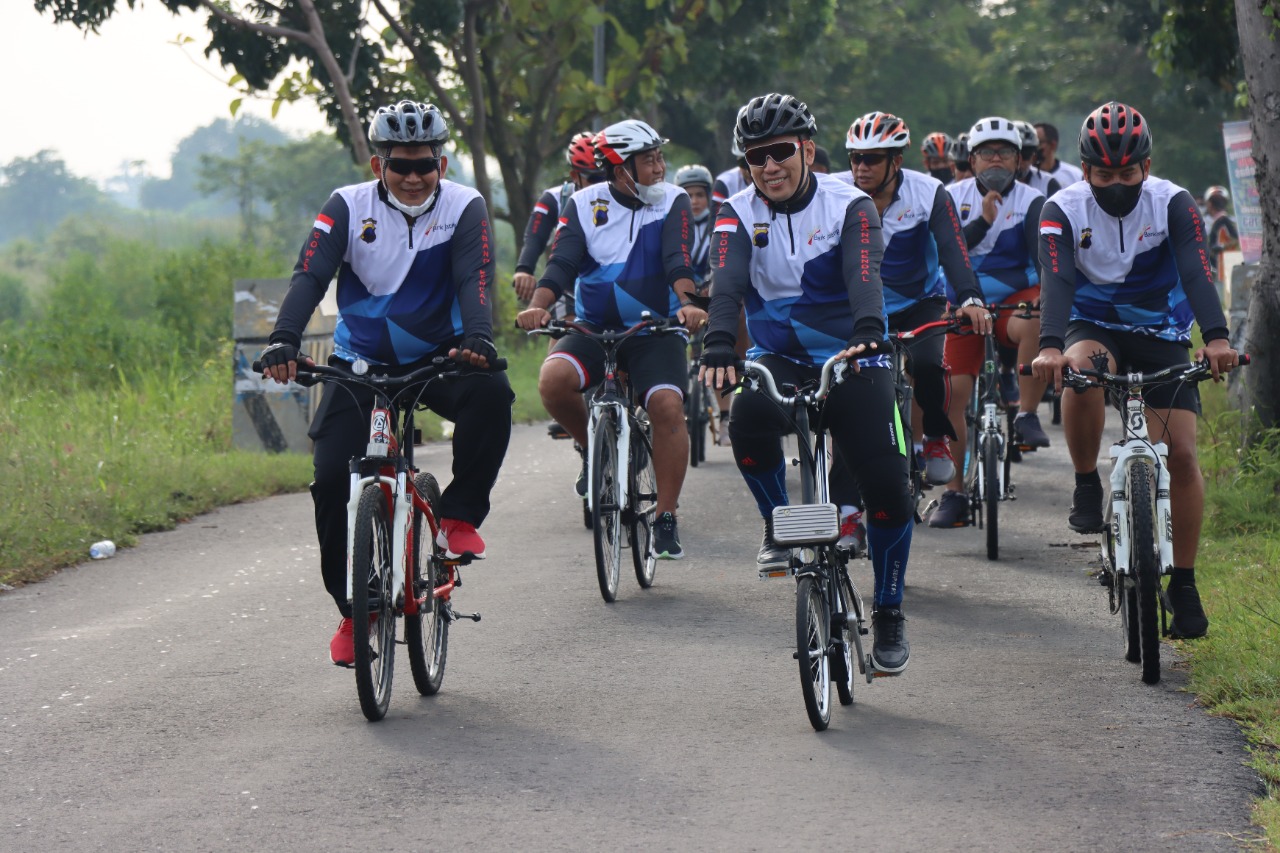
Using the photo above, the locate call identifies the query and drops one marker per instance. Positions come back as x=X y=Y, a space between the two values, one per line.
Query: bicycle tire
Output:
x=1145 y=567
x=642 y=495
x=991 y=485
x=606 y=513
x=427 y=634
x=694 y=411
x=843 y=665
x=812 y=640
x=373 y=618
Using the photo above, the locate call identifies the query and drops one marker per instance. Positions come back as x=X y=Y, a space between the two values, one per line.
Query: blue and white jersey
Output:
x=1002 y=259
x=910 y=270
x=1065 y=173
x=801 y=272
x=626 y=256
x=1128 y=274
x=728 y=183
x=405 y=290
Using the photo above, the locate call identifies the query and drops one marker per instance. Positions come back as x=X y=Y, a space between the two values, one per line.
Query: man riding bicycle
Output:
x=1126 y=271
x=626 y=242
x=804 y=255
x=413 y=258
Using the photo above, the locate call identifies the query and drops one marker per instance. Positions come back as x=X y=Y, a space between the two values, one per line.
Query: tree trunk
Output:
x=1261 y=55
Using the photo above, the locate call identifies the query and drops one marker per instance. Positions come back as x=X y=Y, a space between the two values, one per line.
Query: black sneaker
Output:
x=1086 y=509
x=771 y=556
x=1028 y=432
x=581 y=486
x=666 y=538
x=890 y=650
x=952 y=511
x=1189 y=621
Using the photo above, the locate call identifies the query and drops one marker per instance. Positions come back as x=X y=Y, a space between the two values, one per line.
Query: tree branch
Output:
x=284 y=33
x=444 y=99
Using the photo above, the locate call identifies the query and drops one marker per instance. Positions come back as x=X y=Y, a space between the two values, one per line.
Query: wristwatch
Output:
x=973 y=302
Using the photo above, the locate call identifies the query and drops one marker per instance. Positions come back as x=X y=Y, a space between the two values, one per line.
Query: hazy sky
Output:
x=125 y=94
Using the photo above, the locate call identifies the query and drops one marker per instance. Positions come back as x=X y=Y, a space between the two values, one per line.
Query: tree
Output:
x=221 y=138
x=240 y=179
x=37 y=193
x=1259 y=27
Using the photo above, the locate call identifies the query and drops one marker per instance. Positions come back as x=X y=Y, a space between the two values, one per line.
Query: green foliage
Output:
x=37 y=193
x=15 y=302
x=220 y=139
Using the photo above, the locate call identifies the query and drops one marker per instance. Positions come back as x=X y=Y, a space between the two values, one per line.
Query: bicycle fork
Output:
x=991 y=434
x=401 y=512
x=624 y=443
x=1126 y=455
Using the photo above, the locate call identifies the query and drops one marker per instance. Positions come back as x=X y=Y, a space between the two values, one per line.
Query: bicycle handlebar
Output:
x=1195 y=372
x=760 y=372
x=439 y=366
x=560 y=328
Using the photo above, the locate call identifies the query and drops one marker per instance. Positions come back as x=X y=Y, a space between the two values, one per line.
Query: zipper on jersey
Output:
x=1121 y=221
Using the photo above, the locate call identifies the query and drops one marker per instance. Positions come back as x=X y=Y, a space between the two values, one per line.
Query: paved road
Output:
x=179 y=697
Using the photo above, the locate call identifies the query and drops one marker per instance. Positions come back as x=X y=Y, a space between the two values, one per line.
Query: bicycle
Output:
x=699 y=413
x=395 y=569
x=622 y=491
x=1137 y=548
x=825 y=594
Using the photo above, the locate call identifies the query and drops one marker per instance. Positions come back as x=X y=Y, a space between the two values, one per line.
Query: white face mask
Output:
x=650 y=195
x=412 y=210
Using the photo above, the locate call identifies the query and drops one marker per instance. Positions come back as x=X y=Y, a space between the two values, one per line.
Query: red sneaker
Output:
x=458 y=538
x=342 y=648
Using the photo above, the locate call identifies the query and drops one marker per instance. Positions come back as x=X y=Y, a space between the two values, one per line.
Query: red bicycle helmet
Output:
x=581 y=153
x=1114 y=135
x=938 y=144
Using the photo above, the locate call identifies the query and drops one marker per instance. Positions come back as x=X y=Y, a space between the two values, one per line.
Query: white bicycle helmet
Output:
x=622 y=140
x=877 y=130
x=1217 y=190
x=994 y=129
x=408 y=123
x=1027 y=131
x=692 y=176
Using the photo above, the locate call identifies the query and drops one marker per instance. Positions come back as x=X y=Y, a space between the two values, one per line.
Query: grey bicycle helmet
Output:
x=408 y=123
x=771 y=115
x=1027 y=131
x=692 y=176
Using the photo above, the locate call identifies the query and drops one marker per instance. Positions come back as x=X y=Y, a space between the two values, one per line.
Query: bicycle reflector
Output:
x=806 y=524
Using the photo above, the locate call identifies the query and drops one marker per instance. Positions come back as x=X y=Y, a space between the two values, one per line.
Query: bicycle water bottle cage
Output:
x=806 y=524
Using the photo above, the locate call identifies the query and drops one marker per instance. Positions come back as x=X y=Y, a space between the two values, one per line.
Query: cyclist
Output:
x=697 y=182
x=1223 y=234
x=411 y=251
x=804 y=255
x=1048 y=162
x=922 y=238
x=1028 y=170
x=581 y=156
x=937 y=151
x=626 y=243
x=1126 y=271
x=960 y=158
x=1000 y=216
x=730 y=181
x=821 y=161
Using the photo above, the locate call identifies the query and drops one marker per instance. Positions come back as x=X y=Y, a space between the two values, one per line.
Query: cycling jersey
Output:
x=1147 y=273
x=700 y=249
x=728 y=183
x=542 y=224
x=1065 y=173
x=1003 y=254
x=405 y=289
x=627 y=256
x=809 y=273
x=1043 y=181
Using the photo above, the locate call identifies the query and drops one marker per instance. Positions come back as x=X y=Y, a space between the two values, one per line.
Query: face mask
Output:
x=651 y=195
x=702 y=217
x=997 y=178
x=943 y=175
x=412 y=210
x=1117 y=200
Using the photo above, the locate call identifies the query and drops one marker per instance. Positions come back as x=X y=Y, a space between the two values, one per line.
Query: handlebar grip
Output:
x=498 y=364
x=256 y=366
x=1245 y=359
x=1024 y=370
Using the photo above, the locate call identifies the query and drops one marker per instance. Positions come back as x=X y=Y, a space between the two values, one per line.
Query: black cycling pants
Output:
x=925 y=364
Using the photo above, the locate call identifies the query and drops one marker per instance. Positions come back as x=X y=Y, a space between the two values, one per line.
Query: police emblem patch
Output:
x=368 y=231
x=761 y=234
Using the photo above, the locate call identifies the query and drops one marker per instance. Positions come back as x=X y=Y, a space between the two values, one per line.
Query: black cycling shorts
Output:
x=1138 y=353
x=653 y=362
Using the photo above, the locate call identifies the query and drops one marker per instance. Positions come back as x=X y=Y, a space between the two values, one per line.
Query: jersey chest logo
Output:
x=368 y=231
x=761 y=235
x=964 y=210
x=1086 y=238
x=600 y=212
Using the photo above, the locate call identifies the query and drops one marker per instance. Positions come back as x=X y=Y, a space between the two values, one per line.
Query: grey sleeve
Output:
x=677 y=231
x=975 y=231
x=731 y=265
x=1031 y=228
x=953 y=254
x=538 y=232
x=1057 y=276
x=1191 y=254
x=862 y=250
x=472 y=260
x=319 y=259
x=567 y=252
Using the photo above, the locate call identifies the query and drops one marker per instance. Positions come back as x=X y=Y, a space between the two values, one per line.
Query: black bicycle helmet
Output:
x=773 y=115
x=1114 y=135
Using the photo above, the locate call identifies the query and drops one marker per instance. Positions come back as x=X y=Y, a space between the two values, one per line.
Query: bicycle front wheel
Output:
x=695 y=419
x=1145 y=567
x=606 y=510
x=846 y=618
x=372 y=613
x=991 y=485
x=427 y=633
x=643 y=499
x=812 y=639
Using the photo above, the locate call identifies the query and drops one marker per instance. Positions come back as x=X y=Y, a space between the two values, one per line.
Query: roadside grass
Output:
x=1235 y=670
x=84 y=461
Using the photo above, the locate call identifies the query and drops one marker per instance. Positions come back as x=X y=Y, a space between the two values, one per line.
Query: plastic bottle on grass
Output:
x=102 y=550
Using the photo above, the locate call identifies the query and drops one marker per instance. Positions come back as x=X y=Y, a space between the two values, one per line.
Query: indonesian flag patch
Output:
x=1054 y=228
x=726 y=224
x=323 y=223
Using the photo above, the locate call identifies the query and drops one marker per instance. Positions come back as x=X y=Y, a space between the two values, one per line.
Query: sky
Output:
x=124 y=94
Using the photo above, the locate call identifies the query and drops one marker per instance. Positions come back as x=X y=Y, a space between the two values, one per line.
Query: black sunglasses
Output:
x=594 y=177
x=412 y=165
x=867 y=159
x=779 y=152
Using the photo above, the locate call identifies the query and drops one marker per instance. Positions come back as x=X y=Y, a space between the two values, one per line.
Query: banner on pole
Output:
x=1238 y=141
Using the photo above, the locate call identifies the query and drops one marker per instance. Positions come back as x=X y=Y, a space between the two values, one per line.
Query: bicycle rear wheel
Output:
x=696 y=420
x=991 y=485
x=372 y=614
x=643 y=500
x=812 y=639
x=606 y=511
x=843 y=665
x=427 y=633
x=1145 y=567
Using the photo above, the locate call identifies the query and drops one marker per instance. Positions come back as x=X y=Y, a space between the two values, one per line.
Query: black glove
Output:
x=480 y=345
x=719 y=355
x=278 y=355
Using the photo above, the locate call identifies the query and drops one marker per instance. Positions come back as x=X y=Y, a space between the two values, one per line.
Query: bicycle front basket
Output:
x=806 y=524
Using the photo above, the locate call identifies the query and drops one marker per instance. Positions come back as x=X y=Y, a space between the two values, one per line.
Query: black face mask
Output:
x=943 y=175
x=1117 y=200
x=997 y=178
